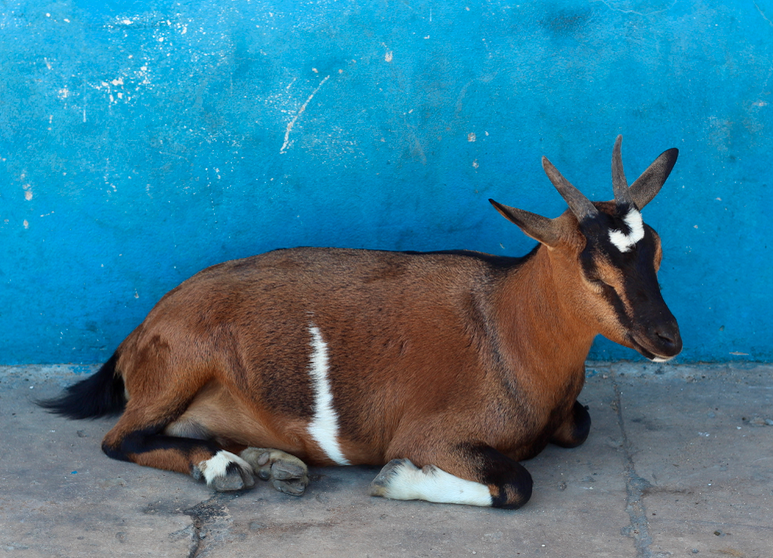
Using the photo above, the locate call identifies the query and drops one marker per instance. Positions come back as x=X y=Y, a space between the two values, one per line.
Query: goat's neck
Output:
x=540 y=331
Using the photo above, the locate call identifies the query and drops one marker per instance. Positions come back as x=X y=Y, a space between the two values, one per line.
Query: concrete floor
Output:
x=679 y=463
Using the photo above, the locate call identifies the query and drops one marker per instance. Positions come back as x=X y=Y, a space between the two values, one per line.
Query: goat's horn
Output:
x=581 y=206
x=619 y=183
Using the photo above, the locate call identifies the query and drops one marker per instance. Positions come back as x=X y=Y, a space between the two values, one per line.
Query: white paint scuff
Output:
x=324 y=427
x=289 y=129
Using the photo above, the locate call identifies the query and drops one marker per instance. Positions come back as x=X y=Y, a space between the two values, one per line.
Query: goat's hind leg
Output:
x=474 y=474
x=575 y=429
x=286 y=472
x=139 y=437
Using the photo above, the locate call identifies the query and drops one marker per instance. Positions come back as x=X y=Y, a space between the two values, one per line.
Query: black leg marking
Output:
x=509 y=481
x=148 y=440
x=202 y=459
x=575 y=429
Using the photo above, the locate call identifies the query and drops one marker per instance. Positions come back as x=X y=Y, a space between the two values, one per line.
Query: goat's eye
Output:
x=598 y=282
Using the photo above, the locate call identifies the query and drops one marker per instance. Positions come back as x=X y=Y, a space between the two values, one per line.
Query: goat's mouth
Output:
x=660 y=359
x=660 y=349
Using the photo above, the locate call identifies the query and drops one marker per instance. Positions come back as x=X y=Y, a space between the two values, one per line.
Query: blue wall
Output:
x=141 y=141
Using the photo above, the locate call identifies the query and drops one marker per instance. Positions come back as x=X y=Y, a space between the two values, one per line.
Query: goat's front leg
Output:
x=472 y=474
x=574 y=429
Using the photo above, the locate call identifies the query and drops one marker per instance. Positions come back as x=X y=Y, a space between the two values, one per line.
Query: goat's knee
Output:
x=574 y=431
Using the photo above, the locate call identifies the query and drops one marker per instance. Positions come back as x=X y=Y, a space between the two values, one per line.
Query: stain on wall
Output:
x=141 y=141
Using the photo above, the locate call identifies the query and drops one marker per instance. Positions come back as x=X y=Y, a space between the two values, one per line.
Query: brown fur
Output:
x=414 y=351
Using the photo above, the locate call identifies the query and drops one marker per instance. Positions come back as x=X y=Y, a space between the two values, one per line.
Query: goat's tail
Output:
x=97 y=396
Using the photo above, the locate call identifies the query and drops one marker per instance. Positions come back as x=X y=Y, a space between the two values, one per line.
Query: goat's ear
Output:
x=540 y=228
x=649 y=183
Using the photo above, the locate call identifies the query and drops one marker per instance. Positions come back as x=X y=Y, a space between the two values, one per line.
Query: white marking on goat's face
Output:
x=217 y=466
x=407 y=482
x=324 y=427
x=624 y=242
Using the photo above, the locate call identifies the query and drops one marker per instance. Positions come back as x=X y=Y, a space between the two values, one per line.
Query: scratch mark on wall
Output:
x=462 y=93
x=763 y=14
x=174 y=155
x=289 y=129
x=624 y=11
x=417 y=149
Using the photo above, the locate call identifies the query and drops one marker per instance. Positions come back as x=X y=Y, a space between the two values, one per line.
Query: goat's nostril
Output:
x=666 y=334
x=665 y=338
x=668 y=338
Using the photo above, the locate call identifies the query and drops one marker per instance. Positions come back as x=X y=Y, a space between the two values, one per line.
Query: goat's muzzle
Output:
x=660 y=341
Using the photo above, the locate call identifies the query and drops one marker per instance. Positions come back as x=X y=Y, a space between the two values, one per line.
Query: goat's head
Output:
x=605 y=259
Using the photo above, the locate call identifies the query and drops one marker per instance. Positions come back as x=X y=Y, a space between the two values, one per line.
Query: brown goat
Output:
x=450 y=367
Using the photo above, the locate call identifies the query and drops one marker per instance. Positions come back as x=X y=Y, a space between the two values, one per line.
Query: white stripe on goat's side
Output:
x=625 y=242
x=408 y=482
x=324 y=427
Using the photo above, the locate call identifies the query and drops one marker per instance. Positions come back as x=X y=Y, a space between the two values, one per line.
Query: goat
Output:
x=448 y=367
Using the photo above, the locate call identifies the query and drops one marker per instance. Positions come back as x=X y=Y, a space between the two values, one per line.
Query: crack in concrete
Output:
x=635 y=487
x=211 y=523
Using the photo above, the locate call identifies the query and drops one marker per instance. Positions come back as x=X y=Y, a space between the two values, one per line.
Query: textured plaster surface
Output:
x=141 y=141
